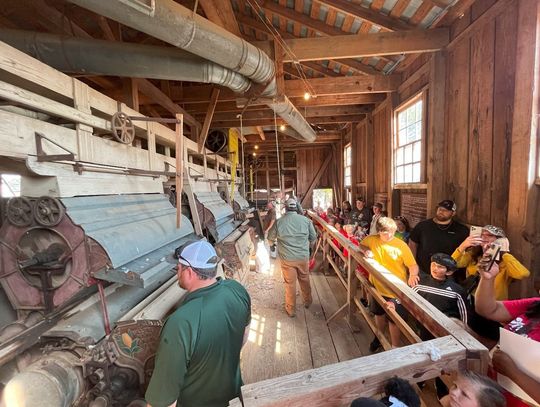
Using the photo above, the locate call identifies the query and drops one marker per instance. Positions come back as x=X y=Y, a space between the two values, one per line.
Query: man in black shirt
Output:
x=443 y=292
x=440 y=234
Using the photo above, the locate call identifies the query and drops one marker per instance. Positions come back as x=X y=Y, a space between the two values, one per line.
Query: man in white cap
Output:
x=294 y=234
x=198 y=359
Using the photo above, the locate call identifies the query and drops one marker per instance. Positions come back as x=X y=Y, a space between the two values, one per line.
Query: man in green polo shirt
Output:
x=294 y=234
x=198 y=359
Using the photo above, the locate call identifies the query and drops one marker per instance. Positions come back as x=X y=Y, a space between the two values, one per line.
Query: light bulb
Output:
x=282 y=127
x=256 y=147
x=307 y=96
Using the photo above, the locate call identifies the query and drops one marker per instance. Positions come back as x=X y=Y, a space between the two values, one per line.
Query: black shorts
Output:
x=376 y=308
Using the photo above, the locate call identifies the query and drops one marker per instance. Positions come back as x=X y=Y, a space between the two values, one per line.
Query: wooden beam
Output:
x=106 y=28
x=311 y=111
x=160 y=98
x=351 y=63
x=367 y=45
x=261 y=133
x=319 y=69
x=270 y=122
x=436 y=132
x=131 y=93
x=208 y=119
x=367 y=14
x=278 y=61
x=220 y=12
x=317 y=178
x=347 y=85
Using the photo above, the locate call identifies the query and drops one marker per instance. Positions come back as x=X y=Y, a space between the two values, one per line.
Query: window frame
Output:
x=345 y=166
x=420 y=96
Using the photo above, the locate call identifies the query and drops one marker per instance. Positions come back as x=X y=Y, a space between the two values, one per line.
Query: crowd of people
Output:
x=195 y=368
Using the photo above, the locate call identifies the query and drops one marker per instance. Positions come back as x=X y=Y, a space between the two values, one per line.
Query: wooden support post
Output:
x=354 y=161
x=130 y=92
x=436 y=132
x=352 y=288
x=267 y=181
x=370 y=156
x=151 y=138
x=179 y=180
x=524 y=197
x=208 y=119
x=280 y=79
x=81 y=102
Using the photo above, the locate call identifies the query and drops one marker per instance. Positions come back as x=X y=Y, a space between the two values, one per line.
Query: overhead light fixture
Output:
x=307 y=96
x=282 y=127
x=254 y=154
x=256 y=147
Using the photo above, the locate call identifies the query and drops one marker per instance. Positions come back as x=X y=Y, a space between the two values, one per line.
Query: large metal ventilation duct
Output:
x=98 y=57
x=179 y=26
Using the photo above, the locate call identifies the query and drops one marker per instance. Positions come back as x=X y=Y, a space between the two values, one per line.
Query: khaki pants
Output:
x=292 y=270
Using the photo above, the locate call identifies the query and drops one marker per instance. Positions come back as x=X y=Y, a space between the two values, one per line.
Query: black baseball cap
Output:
x=447 y=204
x=444 y=260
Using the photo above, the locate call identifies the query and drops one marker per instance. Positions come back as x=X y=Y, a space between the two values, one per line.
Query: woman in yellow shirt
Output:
x=471 y=249
x=469 y=253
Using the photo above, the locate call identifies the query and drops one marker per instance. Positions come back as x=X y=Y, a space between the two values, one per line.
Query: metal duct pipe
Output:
x=98 y=57
x=181 y=27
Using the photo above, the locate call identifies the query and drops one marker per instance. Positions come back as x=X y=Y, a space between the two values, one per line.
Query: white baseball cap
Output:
x=199 y=255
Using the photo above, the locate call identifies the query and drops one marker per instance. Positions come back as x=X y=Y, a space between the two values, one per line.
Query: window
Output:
x=10 y=185
x=408 y=148
x=347 y=162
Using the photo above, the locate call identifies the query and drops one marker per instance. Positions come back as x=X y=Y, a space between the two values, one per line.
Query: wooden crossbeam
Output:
x=220 y=12
x=208 y=118
x=367 y=45
x=162 y=99
x=366 y=14
x=344 y=85
x=261 y=133
x=270 y=122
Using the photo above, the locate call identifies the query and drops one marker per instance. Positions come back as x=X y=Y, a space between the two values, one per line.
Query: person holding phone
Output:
x=468 y=255
x=519 y=316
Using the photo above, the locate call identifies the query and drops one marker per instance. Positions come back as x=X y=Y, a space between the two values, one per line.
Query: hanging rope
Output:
x=277 y=153
x=243 y=170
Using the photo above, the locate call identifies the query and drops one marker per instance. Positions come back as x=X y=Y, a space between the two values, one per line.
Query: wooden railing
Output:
x=340 y=383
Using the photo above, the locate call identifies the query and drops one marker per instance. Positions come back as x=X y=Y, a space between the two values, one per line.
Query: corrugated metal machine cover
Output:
x=128 y=226
x=239 y=199
x=216 y=205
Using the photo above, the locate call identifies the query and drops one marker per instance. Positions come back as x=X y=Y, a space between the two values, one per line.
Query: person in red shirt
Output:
x=520 y=316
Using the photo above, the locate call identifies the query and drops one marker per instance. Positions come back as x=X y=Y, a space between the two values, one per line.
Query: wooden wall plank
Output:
x=503 y=107
x=481 y=126
x=457 y=125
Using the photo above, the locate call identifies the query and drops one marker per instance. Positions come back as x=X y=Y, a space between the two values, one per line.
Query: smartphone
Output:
x=492 y=254
x=476 y=231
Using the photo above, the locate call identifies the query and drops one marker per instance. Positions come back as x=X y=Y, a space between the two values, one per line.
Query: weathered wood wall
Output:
x=471 y=127
x=309 y=162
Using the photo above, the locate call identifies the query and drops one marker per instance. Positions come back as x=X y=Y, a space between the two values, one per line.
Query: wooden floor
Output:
x=279 y=345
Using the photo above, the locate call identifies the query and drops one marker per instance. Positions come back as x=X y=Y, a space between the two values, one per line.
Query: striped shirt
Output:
x=447 y=296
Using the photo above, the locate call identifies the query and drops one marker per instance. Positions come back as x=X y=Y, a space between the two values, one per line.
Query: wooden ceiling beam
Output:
x=163 y=100
x=307 y=112
x=220 y=12
x=349 y=62
x=344 y=85
x=261 y=133
x=234 y=122
x=369 y=15
x=368 y=45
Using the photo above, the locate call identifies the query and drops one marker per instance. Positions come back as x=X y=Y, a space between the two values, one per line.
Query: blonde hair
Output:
x=385 y=224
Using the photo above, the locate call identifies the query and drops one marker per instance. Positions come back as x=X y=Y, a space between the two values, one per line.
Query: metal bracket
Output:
x=44 y=157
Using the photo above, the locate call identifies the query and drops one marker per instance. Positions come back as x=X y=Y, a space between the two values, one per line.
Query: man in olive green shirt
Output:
x=198 y=359
x=294 y=234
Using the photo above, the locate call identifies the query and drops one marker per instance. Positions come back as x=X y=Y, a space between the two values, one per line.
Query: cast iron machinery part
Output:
x=123 y=129
x=48 y=211
x=19 y=211
x=216 y=140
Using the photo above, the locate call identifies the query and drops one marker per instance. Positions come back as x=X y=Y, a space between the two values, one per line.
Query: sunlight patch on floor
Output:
x=256 y=329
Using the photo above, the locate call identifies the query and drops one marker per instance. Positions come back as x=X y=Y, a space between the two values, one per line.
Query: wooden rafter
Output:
x=221 y=13
x=366 y=14
x=208 y=118
x=261 y=132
